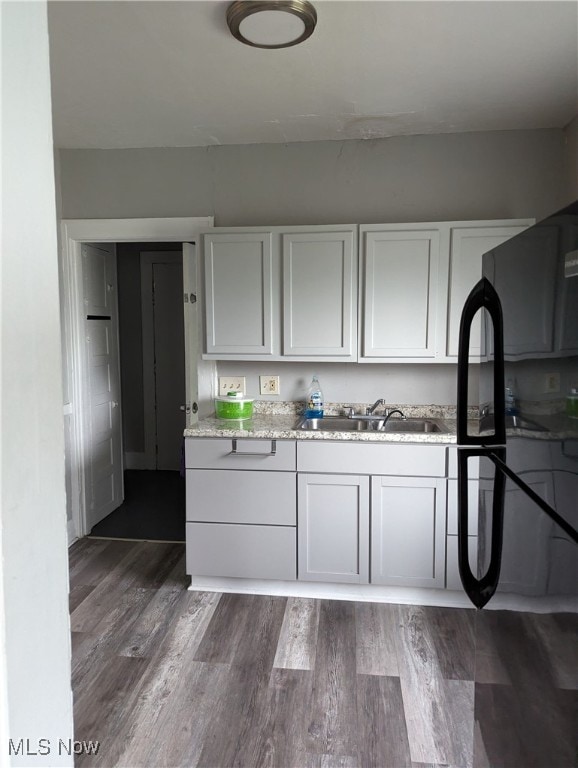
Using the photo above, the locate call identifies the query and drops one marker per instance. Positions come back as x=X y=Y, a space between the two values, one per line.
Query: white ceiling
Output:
x=168 y=74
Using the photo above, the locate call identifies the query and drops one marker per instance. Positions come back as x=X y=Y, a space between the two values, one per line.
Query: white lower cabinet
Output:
x=527 y=536
x=333 y=528
x=292 y=511
x=408 y=531
x=241 y=522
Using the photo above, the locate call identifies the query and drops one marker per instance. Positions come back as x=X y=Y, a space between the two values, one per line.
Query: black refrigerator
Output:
x=518 y=495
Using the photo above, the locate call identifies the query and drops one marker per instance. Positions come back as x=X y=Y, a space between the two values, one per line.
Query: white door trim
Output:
x=74 y=232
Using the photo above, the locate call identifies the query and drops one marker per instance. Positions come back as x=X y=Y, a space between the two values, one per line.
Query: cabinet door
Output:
x=525 y=279
x=333 y=528
x=319 y=295
x=239 y=294
x=400 y=294
x=467 y=246
x=527 y=536
x=408 y=531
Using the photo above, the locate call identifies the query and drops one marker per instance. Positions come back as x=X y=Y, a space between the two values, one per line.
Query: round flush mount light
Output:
x=273 y=24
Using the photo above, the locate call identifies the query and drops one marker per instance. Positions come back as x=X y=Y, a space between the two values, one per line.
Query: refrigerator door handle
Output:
x=483 y=295
x=480 y=590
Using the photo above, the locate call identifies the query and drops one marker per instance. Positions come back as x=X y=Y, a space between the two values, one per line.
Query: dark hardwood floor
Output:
x=167 y=677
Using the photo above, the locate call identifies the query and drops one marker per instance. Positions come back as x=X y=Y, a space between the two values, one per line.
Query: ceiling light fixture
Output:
x=273 y=24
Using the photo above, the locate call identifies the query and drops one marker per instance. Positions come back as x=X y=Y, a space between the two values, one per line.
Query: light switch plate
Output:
x=231 y=384
x=552 y=383
x=269 y=385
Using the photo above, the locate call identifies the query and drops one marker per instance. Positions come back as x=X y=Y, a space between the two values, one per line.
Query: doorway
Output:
x=179 y=233
x=152 y=368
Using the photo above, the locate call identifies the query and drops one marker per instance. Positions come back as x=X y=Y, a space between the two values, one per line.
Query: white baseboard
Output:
x=134 y=460
x=71 y=530
x=370 y=593
x=363 y=593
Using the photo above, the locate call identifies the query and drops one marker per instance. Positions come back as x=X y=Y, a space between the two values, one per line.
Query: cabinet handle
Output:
x=235 y=452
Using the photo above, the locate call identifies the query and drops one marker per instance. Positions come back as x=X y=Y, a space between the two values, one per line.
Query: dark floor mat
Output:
x=153 y=508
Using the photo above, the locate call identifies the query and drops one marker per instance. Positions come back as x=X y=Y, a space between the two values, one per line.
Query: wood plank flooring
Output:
x=167 y=677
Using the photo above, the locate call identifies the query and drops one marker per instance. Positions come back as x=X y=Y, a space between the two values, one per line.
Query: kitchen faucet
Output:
x=371 y=416
x=371 y=410
x=389 y=414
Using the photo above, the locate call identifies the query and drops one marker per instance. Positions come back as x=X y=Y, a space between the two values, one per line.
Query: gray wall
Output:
x=409 y=384
x=501 y=174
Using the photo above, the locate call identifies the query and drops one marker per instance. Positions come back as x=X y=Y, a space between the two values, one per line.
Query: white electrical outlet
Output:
x=231 y=384
x=552 y=383
x=269 y=385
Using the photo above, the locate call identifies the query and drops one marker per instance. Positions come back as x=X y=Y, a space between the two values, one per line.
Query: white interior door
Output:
x=104 y=479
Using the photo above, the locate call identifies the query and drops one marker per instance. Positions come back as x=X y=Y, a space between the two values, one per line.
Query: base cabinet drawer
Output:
x=242 y=453
x=245 y=551
x=354 y=458
x=227 y=496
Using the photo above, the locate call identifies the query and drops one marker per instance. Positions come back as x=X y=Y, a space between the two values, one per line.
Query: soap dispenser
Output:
x=511 y=402
x=314 y=407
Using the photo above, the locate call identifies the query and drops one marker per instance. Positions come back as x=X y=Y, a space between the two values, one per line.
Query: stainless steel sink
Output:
x=423 y=426
x=521 y=422
x=396 y=426
x=334 y=424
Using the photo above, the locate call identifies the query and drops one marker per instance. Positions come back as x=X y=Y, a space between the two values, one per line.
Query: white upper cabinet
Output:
x=416 y=278
x=319 y=294
x=239 y=294
x=467 y=244
x=281 y=293
x=400 y=292
x=291 y=293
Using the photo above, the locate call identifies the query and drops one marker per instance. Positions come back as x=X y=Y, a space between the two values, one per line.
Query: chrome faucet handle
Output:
x=350 y=413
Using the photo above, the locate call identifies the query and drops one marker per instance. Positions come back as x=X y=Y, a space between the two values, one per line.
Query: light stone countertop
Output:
x=277 y=421
x=281 y=426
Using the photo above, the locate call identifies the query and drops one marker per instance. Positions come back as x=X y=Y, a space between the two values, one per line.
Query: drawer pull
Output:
x=235 y=452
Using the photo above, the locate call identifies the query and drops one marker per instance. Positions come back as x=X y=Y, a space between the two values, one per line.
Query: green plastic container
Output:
x=572 y=404
x=234 y=406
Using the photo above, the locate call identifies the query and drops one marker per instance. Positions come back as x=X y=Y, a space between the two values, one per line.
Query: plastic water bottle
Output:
x=511 y=405
x=314 y=408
